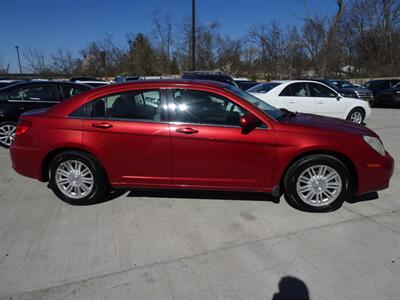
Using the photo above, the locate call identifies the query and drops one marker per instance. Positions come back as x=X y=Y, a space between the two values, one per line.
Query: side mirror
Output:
x=248 y=122
x=338 y=97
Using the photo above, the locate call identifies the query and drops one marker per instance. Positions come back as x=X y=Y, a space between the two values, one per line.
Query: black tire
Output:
x=100 y=185
x=354 y=111
x=294 y=172
x=3 y=124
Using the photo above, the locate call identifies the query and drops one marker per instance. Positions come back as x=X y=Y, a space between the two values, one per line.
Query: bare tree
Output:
x=163 y=33
x=63 y=62
x=3 y=68
x=36 y=61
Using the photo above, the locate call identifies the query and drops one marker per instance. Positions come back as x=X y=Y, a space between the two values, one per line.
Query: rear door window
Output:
x=298 y=89
x=142 y=105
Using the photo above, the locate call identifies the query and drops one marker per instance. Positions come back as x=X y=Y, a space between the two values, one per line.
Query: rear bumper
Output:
x=27 y=161
x=375 y=175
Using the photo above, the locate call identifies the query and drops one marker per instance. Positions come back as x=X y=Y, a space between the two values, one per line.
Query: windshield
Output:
x=268 y=109
x=263 y=87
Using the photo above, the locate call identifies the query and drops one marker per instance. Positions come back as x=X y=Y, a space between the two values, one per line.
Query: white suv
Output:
x=312 y=97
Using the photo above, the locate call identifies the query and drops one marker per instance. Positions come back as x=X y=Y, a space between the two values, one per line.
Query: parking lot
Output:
x=198 y=245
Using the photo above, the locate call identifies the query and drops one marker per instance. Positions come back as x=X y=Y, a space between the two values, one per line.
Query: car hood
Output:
x=327 y=123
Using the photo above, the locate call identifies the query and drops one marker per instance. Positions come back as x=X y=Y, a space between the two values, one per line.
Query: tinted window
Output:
x=299 y=89
x=35 y=93
x=318 y=90
x=266 y=108
x=133 y=105
x=394 y=82
x=342 y=84
x=263 y=87
x=70 y=90
x=205 y=108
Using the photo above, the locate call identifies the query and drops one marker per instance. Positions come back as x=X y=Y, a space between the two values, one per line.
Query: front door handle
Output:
x=187 y=130
x=103 y=125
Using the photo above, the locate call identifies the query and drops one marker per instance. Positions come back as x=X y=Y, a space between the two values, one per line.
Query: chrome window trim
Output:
x=33 y=101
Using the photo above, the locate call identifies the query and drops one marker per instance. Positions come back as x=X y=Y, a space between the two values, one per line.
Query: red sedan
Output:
x=196 y=135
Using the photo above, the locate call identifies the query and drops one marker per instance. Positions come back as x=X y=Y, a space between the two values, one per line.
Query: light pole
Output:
x=131 y=53
x=193 y=35
x=19 y=60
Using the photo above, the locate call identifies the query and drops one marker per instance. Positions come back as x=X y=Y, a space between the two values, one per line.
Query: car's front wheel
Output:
x=317 y=183
x=7 y=133
x=356 y=115
x=78 y=178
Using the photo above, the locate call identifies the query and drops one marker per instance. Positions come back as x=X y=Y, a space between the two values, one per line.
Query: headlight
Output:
x=375 y=143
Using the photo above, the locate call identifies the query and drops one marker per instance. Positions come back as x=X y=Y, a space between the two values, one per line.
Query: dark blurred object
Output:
x=291 y=288
x=210 y=75
x=347 y=89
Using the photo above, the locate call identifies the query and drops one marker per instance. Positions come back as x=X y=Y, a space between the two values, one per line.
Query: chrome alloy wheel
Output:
x=74 y=179
x=319 y=185
x=7 y=134
x=356 y=117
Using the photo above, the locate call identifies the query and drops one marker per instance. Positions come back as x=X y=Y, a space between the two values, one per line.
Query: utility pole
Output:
x=19 y=60
x=193 y=35
x=131 y=53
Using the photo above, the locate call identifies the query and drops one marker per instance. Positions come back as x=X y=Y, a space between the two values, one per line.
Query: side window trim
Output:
x=84 y=113
x=171 y=113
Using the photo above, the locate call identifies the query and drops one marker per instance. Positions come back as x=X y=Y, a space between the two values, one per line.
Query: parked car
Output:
x=315 y=98
x=18 y=98
x=377 y=85
x=244 y=83
x=347 y=89
x=93 y=84
x=211 y=76
x=5 y=82
x=84 y=78
x=126 y=78
x=200 y=135
x=389 y=96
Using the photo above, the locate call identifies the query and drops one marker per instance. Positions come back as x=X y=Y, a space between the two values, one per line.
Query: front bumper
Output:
x=375 y=175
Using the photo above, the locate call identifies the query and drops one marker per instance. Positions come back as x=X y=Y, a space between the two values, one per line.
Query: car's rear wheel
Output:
x=356 y=115
x=78 y=178
x=7 y=133
x=317 y=183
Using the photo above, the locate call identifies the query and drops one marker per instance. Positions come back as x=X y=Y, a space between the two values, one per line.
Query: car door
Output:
x=327 y=101
x=297 y=98
x=129 y=131
x=211 y=150
x=33 y=97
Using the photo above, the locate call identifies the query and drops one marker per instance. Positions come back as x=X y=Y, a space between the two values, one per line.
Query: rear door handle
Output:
x=103 y=125
x=187 y=130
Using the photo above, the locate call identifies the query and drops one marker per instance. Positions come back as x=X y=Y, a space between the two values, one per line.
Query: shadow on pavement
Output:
x=363 y=198
x=200 y=194
x=291 y=288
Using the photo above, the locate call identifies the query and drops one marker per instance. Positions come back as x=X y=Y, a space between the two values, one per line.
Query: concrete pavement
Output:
x=198 y=245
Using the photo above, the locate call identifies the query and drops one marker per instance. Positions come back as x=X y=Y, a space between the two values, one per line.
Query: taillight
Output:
x=22 y=127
